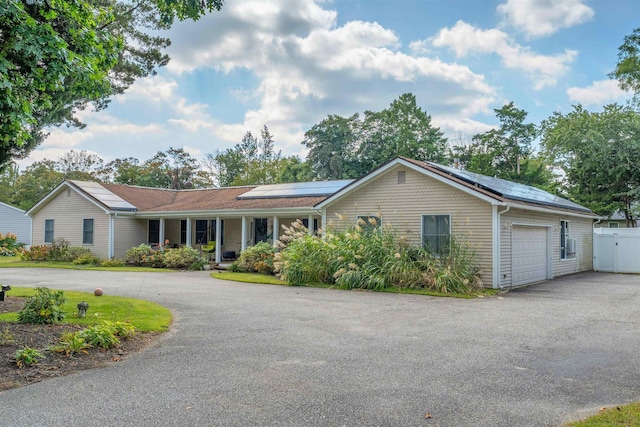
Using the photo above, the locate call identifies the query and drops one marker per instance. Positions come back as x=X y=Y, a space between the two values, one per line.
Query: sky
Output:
x=288 y=64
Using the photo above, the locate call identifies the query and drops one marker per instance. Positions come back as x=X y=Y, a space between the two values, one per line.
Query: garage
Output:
x=528 y=255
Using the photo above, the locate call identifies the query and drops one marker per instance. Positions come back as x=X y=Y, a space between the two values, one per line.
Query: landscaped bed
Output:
x=148 y=318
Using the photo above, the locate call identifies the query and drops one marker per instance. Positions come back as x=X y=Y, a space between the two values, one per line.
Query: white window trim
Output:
x=422 y=225
x=567 y=237
x=53 y=230
x=93 y=233
x=617 y=225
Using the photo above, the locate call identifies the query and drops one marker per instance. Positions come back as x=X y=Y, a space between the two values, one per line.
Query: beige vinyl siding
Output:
x=402 y=207
x=129 y=232
x=68 y=210
x=580 y=229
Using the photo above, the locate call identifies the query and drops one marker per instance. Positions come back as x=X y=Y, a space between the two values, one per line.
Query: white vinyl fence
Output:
x=616 y=250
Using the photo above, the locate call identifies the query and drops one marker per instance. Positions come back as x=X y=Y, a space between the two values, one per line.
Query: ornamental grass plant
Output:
x=368 y=256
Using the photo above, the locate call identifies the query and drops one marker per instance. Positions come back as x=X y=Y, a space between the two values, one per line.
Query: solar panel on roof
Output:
x=104 y=196
x=511 y=190
x=296 y=189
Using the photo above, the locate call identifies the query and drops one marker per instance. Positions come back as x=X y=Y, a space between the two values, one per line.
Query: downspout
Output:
x=111 y=244
x=593 y=244
x=496 y=252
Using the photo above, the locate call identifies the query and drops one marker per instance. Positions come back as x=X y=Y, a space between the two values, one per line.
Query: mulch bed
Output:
x=15 y=336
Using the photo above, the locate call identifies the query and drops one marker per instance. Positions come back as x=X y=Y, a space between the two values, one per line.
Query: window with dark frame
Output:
x=305 y=222
x=87 y=231
x=201 y=231
x=436 y=233
x=154 y=231
x=48 y=231
x=369 y=222
x=183 y=231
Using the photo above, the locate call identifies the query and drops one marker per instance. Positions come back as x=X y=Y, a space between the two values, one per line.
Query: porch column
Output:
x=112 y=234
x=243 y=244
x=218 y=240
x=161 y=242
x=188 y=232
x=324 y=223
x=310 y=225
x=275 y=230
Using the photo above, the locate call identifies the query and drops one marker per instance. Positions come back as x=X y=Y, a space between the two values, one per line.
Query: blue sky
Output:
x=288 y=64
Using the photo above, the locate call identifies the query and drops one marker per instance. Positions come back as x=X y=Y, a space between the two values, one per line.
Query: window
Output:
x=213 y=231
x=436 y=233
x=261 y=230
x=87 y=231
x=567 y=245
x=48 y=231
x=183 y=231
x=369 y=222
x=154 y=231
x=201 y=232
x=613 y=225
x=402 y=177
x=305 y=222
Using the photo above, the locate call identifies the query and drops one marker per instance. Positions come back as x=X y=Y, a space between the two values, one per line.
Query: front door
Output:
x=260 y=230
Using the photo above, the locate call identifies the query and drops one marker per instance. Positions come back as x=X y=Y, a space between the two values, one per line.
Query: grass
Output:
x=248 y=278
x=146 y=316
x=622 y=416
x=271 y=280
x=16 y=262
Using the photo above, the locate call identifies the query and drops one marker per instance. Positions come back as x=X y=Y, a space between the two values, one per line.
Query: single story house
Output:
x=616 y=220
x=520 y=234
x=14 y=220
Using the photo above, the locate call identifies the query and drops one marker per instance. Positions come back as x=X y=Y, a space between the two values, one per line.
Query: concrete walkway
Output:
x=259 y=355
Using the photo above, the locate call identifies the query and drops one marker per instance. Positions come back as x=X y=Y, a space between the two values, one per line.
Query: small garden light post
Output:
x=5 y=288
x=82 y=309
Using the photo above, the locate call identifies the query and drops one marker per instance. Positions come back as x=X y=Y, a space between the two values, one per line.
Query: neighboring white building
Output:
x=14 y=220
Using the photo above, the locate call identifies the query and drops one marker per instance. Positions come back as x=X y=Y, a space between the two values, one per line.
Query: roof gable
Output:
x=11 y=207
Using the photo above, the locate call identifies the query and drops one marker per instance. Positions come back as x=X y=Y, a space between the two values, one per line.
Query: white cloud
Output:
x=307 y=67
x=151 y=89
x=599 y=93
x=538 y=18
x=465 y=39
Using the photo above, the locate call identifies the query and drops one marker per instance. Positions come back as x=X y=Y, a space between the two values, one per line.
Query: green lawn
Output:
x=16 y=262
x=622 y=416
x=272 y=280
x=146 y=316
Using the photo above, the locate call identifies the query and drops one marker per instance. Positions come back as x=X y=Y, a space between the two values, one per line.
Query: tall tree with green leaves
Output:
x=333 y=145
x=58 y=56
x=403 y=129
x=598 y=153
x=506 y=152
x=627 y=70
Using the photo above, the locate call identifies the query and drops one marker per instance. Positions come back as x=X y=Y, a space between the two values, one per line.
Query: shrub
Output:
x=87 y=259
x=234 y=267
x=184 y=257
x=114 y=262
x=35 y=253
x=71 y=343
x=373 y=258
x=121 y=329
x=9 y=245
x=58 y=251
x=102 y=335
x=44 y=307
x=27 y=356
x=138 y=254
x=258 y=258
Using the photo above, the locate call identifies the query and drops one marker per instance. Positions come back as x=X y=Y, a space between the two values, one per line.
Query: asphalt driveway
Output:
x=259 y=355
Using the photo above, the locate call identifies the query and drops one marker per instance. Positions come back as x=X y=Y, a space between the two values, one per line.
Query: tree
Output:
x=8 y=178
x=403 y=129
x=506 y=152
x=598 y=153
x=333 y=144
x=58 y=56
x=251 y=162
x=627 y=70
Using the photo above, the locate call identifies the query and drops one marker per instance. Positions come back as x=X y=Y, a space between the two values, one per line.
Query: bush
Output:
x=114 y=262
x=258 y=258
x=102 y=335
x=27 y=356
x=71 y=343
x=9 y=245
x=138 y=255
x=87 y=259
x=182 y=258
x=44 y=307
x=373 y=258
x=58 y=251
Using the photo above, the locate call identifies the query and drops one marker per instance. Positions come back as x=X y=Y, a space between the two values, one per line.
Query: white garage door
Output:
x=528 y=255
